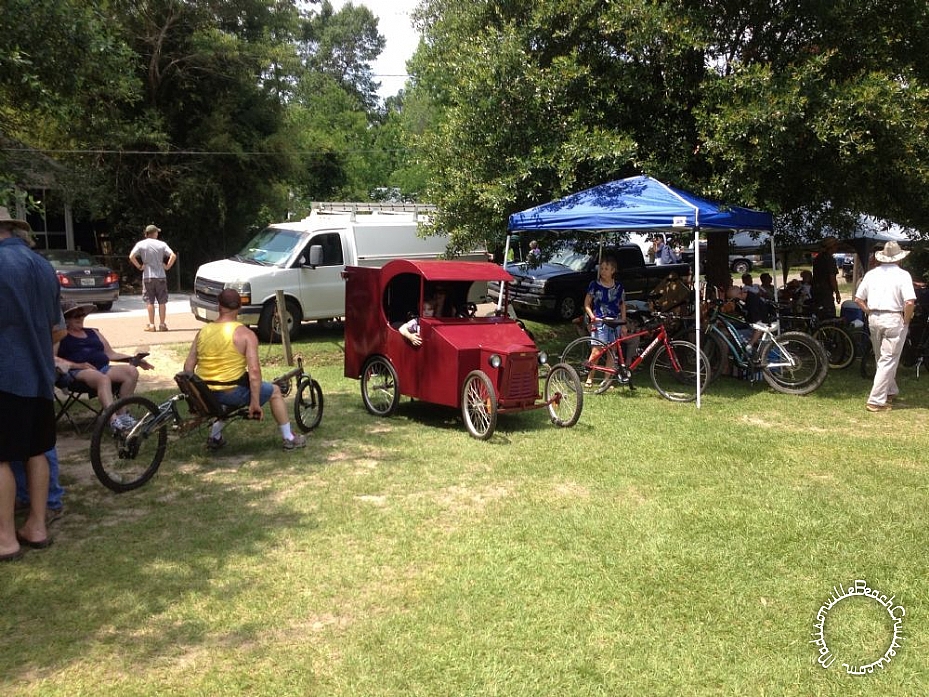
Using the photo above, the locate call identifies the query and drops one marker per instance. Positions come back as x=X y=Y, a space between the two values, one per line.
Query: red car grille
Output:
x=522 y=378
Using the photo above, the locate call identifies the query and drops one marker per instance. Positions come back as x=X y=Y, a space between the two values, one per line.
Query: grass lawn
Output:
x=654 y=549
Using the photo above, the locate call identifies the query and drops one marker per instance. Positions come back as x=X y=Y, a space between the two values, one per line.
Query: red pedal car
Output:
x=483 y=365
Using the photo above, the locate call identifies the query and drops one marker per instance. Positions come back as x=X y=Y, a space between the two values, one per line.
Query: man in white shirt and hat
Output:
x=887 y=297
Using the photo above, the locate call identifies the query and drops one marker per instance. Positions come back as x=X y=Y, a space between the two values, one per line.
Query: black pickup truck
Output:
x=557 y=286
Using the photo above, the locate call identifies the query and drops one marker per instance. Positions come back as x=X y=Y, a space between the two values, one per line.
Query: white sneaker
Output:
x=123 y=422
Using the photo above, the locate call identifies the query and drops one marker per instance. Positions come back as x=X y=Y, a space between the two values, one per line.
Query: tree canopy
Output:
x=813 y=111
x=213 y=117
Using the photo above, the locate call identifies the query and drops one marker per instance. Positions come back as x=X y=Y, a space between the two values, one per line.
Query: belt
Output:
x=893 y=312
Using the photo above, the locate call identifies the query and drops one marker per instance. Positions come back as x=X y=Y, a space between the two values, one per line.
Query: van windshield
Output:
x=270 y=247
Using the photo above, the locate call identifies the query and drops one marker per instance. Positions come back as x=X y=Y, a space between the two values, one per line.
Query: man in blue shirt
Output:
x=29 y=310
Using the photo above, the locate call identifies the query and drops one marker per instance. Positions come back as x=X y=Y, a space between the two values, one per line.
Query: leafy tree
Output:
x=210 y=117
x=342 y=45
x=815 y=111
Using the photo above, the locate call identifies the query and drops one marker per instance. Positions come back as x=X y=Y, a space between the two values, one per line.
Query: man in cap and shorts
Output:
x=153 y=257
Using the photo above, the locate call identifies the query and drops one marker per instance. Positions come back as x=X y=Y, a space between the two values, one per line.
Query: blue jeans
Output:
x=240 y=395
x=605 y=333
x=55 y=492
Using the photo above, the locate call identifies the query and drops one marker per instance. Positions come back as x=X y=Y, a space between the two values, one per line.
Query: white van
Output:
x=305 y=260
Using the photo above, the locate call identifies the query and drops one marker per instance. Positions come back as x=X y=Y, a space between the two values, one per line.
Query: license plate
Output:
x=87 y=282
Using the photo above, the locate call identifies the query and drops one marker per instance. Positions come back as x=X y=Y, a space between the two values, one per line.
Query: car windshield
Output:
x=64 y=257
x=568 y=257
x=270 y=247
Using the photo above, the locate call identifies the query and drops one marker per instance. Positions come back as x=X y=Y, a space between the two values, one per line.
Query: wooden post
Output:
x=285 y=335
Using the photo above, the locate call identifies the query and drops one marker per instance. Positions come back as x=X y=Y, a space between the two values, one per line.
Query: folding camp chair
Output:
x=76 y=393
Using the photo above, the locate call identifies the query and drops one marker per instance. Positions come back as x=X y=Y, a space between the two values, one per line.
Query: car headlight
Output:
x=543 y=358
x=244 y=290
x=495 y=361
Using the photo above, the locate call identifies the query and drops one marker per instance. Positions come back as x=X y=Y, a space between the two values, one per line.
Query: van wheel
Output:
x=268 y=325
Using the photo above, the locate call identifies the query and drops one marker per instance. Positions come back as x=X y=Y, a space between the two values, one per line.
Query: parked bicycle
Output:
x=791 y=362
x=126 y=459
x=832 y=334
x=673 y=367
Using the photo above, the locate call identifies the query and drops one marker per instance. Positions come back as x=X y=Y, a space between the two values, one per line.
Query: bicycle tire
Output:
x=809 y=356
x=594 y=377
x=679 y=385
x=861 y=338
x=868 y=364
x=308 y=405
x=712 y=346
x=380 y=390
x=565 y=395
x=838 y=345
x=125 y=460
x=479 y=405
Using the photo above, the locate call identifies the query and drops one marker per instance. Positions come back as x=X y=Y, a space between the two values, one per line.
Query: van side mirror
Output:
x=316 y=255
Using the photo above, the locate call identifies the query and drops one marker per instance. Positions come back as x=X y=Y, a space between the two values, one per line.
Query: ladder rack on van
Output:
x=420 y=211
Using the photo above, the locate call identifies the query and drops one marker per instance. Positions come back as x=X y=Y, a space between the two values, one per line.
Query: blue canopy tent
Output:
x=640 y=203
x=637 y=203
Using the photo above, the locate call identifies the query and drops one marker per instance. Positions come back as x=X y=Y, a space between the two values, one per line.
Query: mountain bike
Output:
x=790 y=362
x=833 y=334
x=673 y=367
x=126 y=458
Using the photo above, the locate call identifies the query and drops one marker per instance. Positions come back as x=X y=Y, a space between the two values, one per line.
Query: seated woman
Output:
x=86 y=355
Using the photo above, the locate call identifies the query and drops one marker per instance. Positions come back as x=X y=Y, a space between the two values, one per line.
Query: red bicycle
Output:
x=673 y=367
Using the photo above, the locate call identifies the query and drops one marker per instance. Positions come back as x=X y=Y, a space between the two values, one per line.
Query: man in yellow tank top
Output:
x=225 y=355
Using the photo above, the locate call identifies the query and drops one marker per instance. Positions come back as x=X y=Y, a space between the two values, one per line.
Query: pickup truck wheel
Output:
x=268 y=325
x=741 y=266
x=567 y=307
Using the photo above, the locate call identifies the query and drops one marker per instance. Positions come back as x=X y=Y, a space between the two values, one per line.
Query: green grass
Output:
x=654 y=549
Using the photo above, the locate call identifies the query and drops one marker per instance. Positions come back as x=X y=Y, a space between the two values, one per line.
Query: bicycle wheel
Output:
x=124 y=459
x=809 y=364
x=861 y=338
x=308 y=405
x=679 y=385
x=379 y=390
x=868 y=364
x=594 y=375
x=564 y=394
x=713 y=347
x=838 y=345
x=479 y=405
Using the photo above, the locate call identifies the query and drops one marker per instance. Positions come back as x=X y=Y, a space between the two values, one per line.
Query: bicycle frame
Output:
x=124 y=459
x=737 y=345
x=660 y=338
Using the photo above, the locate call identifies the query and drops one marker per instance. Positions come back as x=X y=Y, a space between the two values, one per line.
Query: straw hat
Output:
x=5 y=218
x=69 y=307
x=890 y=253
